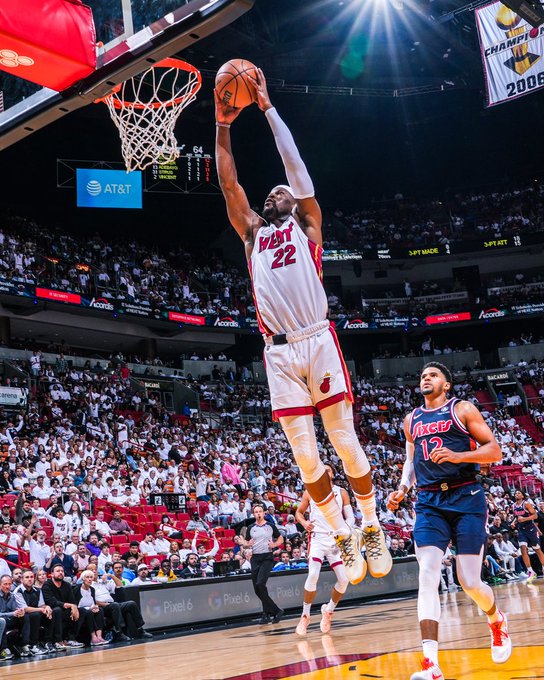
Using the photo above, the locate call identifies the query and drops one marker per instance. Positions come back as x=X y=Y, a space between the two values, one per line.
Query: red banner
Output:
x=58 y=296
x=447 y=318
x=187 y=318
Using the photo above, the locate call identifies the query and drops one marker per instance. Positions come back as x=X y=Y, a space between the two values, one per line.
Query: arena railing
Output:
x=22 y=555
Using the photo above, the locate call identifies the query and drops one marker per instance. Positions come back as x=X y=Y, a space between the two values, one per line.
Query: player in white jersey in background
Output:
x=304 y=365
x=322 y=545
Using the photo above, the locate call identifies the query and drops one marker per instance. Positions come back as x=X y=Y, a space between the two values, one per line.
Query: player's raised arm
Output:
x=297 y=174
x=408 y=473
x=242 y=218
x=488 y=451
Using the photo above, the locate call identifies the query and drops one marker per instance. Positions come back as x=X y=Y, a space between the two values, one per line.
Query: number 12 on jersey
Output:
x=438 y=443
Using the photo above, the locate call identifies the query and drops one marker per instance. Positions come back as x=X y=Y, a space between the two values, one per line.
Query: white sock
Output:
x=333 y=514
x=367 y=505
x=306 y=606
x=430 y=650
x=330 y=606
x=497 y=616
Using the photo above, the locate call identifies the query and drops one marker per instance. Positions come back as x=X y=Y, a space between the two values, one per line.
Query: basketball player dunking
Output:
x=528 y=534
x=304 y=365
x=445 y=441
x=322 y=545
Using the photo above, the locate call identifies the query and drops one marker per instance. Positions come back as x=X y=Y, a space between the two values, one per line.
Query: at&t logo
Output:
x=94 y=188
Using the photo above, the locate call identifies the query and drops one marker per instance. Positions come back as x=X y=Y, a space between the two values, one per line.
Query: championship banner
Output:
x=512 y=53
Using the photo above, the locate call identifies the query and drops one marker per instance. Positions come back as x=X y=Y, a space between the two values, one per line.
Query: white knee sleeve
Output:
x=342 y=582
x=430 y=568
x=469 y=568
x=300 y=434
x=313 y=575
x=338 y=422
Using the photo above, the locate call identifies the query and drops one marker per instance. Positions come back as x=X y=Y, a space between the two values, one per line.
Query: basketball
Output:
x=233 y=85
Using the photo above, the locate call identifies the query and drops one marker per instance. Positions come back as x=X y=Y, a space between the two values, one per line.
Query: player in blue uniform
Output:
x=446 y=440
x=528 y=534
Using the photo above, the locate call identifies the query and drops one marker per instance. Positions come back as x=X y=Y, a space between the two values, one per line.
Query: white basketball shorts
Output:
x=306 y=375
x=324 y=546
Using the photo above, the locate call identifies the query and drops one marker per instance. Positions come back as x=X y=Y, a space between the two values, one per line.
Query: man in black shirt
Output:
x=262 y=537
x=30 y=599
x=58 y=593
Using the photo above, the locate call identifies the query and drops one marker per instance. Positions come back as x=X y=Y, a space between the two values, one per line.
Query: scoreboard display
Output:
x=193 y=172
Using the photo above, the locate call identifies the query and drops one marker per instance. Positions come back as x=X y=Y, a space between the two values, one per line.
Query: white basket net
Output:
x=145 y=109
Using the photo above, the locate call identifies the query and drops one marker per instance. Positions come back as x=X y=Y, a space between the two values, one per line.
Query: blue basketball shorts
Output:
x=458 y=514
x=528 y=535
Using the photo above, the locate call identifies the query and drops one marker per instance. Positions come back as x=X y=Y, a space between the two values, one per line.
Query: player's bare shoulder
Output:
x=466 y=409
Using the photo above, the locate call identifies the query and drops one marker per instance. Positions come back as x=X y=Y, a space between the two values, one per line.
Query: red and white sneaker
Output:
x=302 y=626
x=429 y=671
x=326 y=619
x=501 y=643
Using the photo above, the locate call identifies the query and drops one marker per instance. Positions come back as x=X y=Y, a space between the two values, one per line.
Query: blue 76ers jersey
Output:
x=432 y=429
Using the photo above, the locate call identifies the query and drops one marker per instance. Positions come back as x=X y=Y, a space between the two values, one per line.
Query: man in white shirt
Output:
x=38 y=549
x=117 y=498
x=506 y=552
x=162 y=545
x=226 y=510
x=4 y=566
x=105 y=556
x=73 y=544
x=40 y=490
x=147 y=546
x=101 y=525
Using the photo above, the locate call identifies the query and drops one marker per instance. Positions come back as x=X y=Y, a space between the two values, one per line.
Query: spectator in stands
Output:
x=93 y=545
x=123 y=615
x=4 y=566
x=506 y=553
x=101 y=526
x=162 y=544
x=30 y=599
x=196 y=523
x=118 y=525
x=133 y=551
x=168 y=530
x=192 y=566
x=59 y=557
x=16 y=577
x=164 y=573
x=143 y=577
x=395 y=549
x=38 y=549
x=91 y=615
x=124 y=574
x=13 y=616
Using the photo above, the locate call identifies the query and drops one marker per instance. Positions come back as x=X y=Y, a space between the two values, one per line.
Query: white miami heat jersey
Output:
x=321 y=526
x=287 y=277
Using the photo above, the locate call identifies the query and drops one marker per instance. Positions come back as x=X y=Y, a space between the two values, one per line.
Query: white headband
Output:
x=286 y=187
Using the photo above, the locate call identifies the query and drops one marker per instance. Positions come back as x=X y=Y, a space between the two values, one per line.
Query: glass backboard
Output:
x=131 y=34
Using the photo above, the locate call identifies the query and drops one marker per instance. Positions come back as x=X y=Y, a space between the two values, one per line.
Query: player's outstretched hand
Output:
x=223 y=112
x=395 y=499
x=259 y=83
x=444 y=455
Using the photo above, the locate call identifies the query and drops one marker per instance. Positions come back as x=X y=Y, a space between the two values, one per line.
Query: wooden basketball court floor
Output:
x=378 y=640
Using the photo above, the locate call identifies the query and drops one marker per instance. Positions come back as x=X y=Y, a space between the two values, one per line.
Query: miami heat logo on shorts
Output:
x=325 y=383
